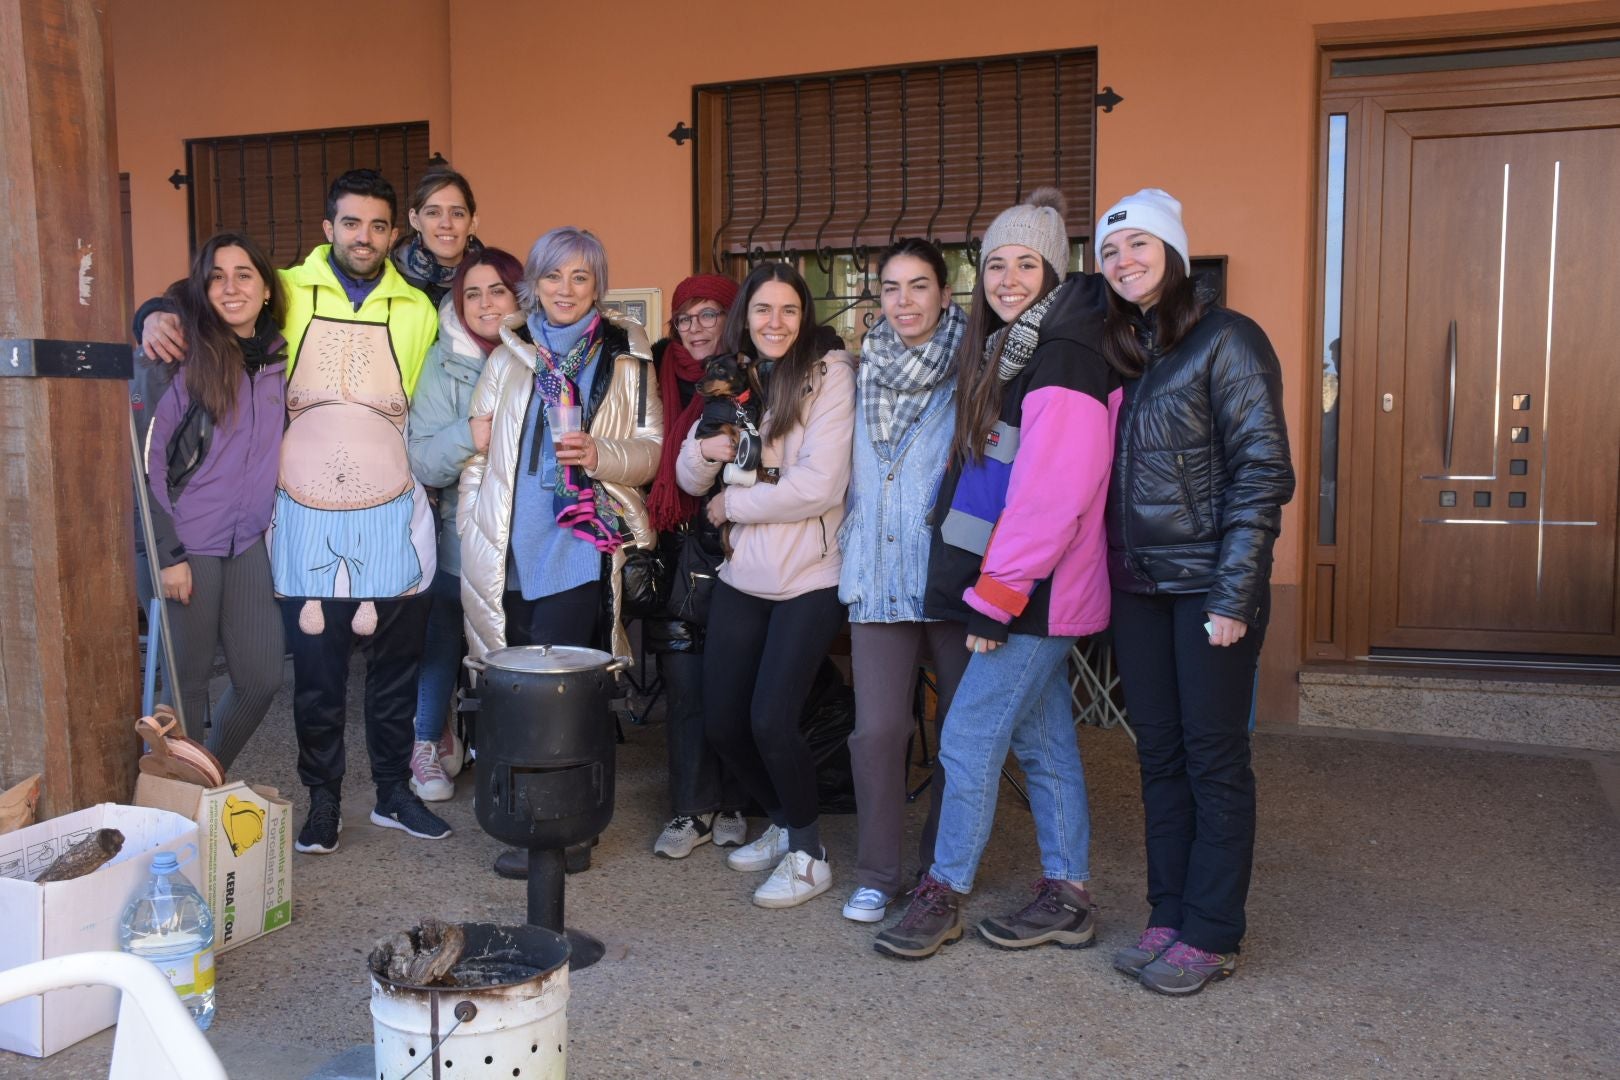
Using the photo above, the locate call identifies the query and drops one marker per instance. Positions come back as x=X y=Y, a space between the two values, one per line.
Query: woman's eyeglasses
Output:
x=705 y=318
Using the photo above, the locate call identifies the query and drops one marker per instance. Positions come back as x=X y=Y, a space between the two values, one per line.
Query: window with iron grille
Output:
x=272 y=187
x=826 y=170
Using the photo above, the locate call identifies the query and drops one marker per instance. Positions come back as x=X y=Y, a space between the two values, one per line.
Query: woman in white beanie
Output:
x=1017 y=554
x=1199 y=483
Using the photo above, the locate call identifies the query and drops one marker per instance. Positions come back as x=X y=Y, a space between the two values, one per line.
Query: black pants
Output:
x=1189 y=705
x=571 y=617
x=699 y=783
x=759 y=662
x=320 y=689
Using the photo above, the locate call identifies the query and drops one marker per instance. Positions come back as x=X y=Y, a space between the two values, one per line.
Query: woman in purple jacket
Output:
x=212 y=453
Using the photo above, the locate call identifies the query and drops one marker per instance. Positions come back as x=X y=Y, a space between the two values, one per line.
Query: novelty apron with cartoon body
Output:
x=350 y=520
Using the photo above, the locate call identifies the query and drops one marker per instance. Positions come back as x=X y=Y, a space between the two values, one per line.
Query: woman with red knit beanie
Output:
x=707 y=802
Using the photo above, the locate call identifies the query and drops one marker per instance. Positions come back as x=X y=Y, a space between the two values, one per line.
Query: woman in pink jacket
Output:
x=1019 y=555
x=775 y=609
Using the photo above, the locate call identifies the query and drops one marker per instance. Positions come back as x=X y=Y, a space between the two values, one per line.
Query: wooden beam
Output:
x=68 y=670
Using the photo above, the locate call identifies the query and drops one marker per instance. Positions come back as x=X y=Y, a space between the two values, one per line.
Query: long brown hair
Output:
x=1174 y=315
x=978 y=387
x=213 y=363
x=785 y=396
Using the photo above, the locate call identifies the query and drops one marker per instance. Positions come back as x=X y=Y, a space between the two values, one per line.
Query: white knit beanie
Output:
x=1038 y=224
x=1152 y=210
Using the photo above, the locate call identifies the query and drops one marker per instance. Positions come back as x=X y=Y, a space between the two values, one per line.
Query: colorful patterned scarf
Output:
x=581 y=505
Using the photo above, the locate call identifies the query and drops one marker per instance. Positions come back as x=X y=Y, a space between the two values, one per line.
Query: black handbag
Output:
x=645 y=582
x=697 y=568
x=188 y=446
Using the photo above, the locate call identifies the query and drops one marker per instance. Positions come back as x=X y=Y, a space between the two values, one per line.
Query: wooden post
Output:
x=68 y=667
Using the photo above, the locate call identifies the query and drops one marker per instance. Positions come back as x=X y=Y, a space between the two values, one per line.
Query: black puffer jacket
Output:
x=1201 y=469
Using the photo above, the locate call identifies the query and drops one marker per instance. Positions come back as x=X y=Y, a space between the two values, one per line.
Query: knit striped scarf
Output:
x=1014 y=344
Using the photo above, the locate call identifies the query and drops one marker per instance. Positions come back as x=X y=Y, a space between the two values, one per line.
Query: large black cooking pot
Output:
x=544 y=771
x=545 y=743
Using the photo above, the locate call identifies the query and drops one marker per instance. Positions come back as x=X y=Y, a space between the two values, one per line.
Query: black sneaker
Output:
x=932 y=921
x=1061 y=913
x=401 y=809
x=319 y=836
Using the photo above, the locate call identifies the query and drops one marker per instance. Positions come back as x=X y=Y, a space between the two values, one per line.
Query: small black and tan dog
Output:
x=732 y=405
x=733 y=401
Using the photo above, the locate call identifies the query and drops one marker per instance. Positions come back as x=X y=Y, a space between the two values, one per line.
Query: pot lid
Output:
x=547 y=659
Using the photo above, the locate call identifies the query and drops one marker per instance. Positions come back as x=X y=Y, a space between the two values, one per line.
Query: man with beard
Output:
x=352 y=541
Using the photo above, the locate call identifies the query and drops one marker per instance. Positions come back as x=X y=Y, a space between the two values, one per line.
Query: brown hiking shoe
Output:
x=1061 y=913
x=932 y=920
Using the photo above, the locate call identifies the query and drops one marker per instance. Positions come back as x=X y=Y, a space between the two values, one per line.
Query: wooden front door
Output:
x=1497 y=424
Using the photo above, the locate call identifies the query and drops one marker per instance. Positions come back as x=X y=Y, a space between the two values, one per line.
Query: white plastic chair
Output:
x=156 y=1038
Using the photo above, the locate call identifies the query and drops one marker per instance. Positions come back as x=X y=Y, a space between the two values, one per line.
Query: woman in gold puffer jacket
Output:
x=544 y=522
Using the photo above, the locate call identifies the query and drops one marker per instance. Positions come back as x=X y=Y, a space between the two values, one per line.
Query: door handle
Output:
x=1451 y=390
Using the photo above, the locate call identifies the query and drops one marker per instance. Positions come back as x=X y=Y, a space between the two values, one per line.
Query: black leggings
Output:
x=759 y=662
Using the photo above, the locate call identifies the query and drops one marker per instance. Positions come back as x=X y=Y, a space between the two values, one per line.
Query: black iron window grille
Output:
x=826 y=170
x=273 y=187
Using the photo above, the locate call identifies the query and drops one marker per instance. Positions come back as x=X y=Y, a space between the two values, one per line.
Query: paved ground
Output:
x=1418 y=911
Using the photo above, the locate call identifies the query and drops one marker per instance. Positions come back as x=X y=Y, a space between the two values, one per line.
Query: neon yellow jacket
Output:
x=312 y=288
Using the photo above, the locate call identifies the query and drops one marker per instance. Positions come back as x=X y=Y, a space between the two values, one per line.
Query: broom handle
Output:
x=144 y=505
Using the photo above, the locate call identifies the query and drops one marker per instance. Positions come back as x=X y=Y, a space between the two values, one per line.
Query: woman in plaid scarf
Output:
x=902 y=440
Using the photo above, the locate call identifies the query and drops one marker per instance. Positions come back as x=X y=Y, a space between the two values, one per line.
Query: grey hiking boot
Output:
x=1061 y=913
x=932 y=921
x=1186 y=970
x=1148 y=948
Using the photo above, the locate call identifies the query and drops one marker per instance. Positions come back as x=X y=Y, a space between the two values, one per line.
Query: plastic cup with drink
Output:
x=563 y=420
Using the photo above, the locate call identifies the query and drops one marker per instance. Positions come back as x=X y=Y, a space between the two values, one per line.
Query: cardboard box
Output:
x=244 y=834
x=62 y=917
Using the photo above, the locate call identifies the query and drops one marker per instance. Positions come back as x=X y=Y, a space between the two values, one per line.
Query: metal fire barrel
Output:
x=512 y=1020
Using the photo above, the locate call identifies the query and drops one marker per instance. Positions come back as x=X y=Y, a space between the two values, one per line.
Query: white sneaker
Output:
x=763 y=853
x=729 y=828
x=683 y=835
x=797 y=878
x=867 y=905
x=427 y=775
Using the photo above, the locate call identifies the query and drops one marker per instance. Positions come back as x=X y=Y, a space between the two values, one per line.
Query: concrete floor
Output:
x=1417 y=911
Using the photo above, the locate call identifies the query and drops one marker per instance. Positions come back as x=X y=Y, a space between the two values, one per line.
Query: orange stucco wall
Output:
x=191 y=69
x=1219 y=107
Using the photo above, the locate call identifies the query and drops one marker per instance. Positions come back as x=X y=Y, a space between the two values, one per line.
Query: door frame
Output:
x=1338 y=578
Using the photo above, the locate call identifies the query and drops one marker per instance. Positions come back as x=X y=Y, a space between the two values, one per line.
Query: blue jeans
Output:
x=441 y=657
x=1015 y=696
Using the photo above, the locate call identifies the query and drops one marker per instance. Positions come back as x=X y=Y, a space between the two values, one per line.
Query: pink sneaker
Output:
x=452 y=751
x=427 y=775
